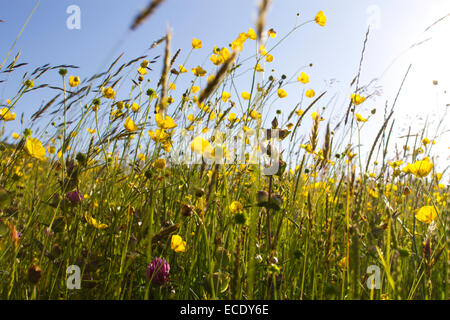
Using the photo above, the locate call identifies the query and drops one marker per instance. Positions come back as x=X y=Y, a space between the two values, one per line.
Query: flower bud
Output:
x=262 y=197
x=240 y=218
x=74 y=197
x=29 y=83
x=27 y=132
x=81 y=158
x=273 y=268
x=158 y=271
x=276 y=201
x=34 y=274
x=186 y=210
x=56 y=251
x=199 y=192
x=406 y=191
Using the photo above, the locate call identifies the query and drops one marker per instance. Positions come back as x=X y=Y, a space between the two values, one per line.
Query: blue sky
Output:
x=334 y=50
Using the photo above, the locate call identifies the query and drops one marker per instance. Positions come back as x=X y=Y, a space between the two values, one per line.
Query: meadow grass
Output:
x=98 y=186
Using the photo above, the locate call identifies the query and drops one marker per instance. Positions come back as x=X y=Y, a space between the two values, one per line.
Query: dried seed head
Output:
x=263 y=8
x=145 y=14
x=166 y=67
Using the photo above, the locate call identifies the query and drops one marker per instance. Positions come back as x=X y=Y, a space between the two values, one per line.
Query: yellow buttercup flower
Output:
x=360 y=118
x=74 y=81
x=94 y=222
x=109 y=93
x=201 y=146
x=196 y=43
x=164 y=123
x=310 y=93
x=343 y=263
x=426 y=214
x=182 y=68
x=177 y=244
x=245 y=95
x=167 y=146
x=160 y=163
x=251 y=34
x=199 y=71
x=135 y=107
x=242 y=37
x=262 y=50
x=142 y=71
x=225 y=96
x=272 y=33
x=321 y=19
x=237 y=45
x=15 y=136
x=396 y=164
x=35 y=148
x=357 y=99
x=269 y=58
x=255 y=115
x=195 y=89
x=419 y=168
x=258 y=68
x=303 y=78
x=373 y=193
x=231 y=117
x=236 y=207
x=130 y=125
x=159 y=135
x=299 y=112
x=282 y=93
x=6 y=115
x=217 y=60
x=248 y=131
x=224 y=53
